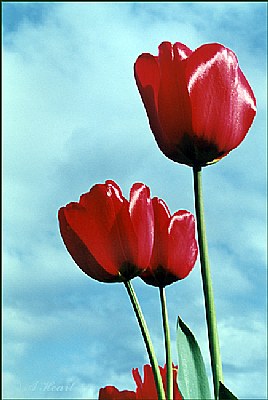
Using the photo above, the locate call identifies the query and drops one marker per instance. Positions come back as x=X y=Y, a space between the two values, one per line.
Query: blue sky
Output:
x=73 y=117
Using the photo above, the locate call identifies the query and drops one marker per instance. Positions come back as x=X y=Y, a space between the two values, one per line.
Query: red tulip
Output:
x=199 y=104
x=145 y=390
x=109 y=238
x=175 y=248
x=111 y=393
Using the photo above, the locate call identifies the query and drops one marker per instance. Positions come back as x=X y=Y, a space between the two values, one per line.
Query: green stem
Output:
x=147 y=340
x=167 y=343
x=207 y=285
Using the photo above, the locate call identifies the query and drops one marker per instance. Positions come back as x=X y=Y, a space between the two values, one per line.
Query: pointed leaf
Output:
x=192 y=377
x=225 y=394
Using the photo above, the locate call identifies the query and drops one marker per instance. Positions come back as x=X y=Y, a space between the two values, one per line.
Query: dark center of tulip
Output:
x=196 y=151
x=128 y=271
x=160 y=277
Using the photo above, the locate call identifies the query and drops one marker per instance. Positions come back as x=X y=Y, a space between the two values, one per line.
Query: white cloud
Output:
x=11 y=386
x=244 y=349
x=251 y=331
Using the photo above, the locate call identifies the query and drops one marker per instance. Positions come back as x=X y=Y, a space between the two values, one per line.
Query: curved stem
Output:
x=207 y=285
x=147 y=340
x=169 y=376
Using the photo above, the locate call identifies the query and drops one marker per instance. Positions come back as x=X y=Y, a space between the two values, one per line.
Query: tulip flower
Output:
x=144 y=390
x=112 y=393
x=109 y=237
x=175 y=248
x=199 y=104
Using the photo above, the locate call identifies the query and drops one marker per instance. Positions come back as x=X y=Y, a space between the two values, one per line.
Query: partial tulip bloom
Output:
x=112 y=393
x=109 y=237
x=144 y=389
x=175 y=247
x=199 y=104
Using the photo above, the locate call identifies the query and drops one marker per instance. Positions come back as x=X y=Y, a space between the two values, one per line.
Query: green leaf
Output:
x=192 y=377
x=225 y=394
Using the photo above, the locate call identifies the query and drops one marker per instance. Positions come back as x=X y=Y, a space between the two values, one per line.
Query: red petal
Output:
x=112 y=393
x=158 y=274
x=161 y=218
x=80 y=252
x=181 y=50
x=105 y=200
x=93 y=218
x=182 y=246
x=174 y=106
x=137 y=377
x=124 y=241
x=176 y=393
x=175 y=248
x=223 y=104
x=147 y=389
x=147 y=75
x=142 y=218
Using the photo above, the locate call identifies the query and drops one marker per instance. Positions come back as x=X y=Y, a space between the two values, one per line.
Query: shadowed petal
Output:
x=175 y=247
x=162 y=216
x=112 y=393
x=174 y=106
x=147 y=75
x=81 y=255
x=93 y=218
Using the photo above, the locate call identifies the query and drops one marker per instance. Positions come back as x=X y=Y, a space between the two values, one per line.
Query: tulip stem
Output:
x=213 y=338
x=147 y=340
x=169 y=376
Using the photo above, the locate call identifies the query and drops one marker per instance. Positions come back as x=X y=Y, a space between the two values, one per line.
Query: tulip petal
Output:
x=106 y=201
x=182 y=246
x=223 y=104
x=81 y=254
x=176 y=393
x=147 y=388
x=112 y=393
x=181 y=51
x=175 y=248
x=93 y=218
x=125 y=244
x=161 y=218
x=174 y=107
x=156 y=273
x=142 y=217
x=147 y=75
